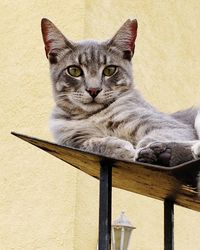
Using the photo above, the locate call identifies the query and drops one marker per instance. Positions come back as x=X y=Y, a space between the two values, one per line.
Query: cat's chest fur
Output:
x=112 y=125
x=123 y=119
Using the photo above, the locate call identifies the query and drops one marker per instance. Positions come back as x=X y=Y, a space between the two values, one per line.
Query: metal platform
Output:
x=174 y=185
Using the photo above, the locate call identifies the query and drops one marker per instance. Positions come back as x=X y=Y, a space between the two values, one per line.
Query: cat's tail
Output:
x=197 y=124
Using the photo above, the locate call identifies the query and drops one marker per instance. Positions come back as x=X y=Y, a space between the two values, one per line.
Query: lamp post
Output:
x=121 y=232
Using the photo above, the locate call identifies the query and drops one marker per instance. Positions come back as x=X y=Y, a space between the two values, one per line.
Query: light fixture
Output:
x=121 y=232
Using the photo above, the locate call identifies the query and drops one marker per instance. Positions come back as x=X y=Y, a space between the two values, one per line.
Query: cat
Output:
x=98 y=109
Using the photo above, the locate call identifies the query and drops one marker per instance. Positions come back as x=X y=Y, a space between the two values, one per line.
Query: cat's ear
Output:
x=54 y=40
x=125 y=37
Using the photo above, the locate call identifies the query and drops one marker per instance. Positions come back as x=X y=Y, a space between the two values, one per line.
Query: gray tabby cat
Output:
x=98 y=108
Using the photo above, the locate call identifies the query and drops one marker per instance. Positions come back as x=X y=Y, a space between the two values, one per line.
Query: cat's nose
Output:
x=93 y=91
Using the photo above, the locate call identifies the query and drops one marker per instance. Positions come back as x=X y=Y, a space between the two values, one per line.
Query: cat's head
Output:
x=89 y=75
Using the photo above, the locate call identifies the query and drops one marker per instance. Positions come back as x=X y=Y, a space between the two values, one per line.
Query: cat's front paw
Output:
x=154 y=153
x=123 y=150
x=111 y=147
x=119 y=149
x=164 y=153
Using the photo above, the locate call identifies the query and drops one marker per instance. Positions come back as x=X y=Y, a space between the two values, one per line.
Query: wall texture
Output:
x=45 y=204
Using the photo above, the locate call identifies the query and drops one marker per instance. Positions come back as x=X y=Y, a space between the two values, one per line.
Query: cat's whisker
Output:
x=62 y=95
x=77 y=94
x=110 y=95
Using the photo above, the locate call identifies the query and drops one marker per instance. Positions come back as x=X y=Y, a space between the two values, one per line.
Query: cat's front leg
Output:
x=110 y=146
x=91 y=138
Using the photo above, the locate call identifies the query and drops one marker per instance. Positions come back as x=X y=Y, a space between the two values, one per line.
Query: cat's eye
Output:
x=74 y=71
x=109 y=70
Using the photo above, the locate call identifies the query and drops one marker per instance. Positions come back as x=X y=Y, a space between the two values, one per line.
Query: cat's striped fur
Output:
x=117 y=122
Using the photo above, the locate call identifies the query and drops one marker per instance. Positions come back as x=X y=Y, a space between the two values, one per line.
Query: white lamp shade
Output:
x=121 y=233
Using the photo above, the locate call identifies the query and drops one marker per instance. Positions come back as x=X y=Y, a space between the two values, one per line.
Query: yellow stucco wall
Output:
x=45 y=204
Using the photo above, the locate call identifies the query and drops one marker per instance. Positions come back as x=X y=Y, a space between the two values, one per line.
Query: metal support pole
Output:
x=105 y=203
x=168 y=224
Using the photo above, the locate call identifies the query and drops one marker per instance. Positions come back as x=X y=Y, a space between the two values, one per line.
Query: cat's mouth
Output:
x=91 y=107
x=97 y=103
x=93 y=102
